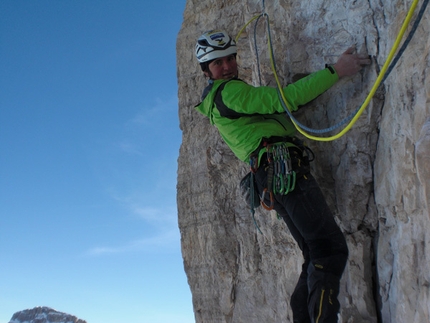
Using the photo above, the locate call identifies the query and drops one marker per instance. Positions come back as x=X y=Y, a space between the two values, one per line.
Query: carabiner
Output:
x=272 y=200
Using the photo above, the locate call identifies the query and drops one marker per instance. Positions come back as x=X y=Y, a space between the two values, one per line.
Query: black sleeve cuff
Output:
x=330 y=68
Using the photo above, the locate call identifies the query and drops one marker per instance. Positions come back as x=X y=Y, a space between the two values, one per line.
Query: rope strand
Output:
x=385 y=71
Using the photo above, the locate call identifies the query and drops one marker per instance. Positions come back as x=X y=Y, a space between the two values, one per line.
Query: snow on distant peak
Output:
x=43 y=314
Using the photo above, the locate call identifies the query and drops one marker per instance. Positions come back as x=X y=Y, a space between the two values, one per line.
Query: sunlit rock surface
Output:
x=376 y=177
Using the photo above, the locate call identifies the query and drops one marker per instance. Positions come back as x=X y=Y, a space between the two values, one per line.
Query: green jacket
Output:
x=245 y=114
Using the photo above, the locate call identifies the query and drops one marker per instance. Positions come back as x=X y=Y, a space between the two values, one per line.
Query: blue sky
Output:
x=89 y=141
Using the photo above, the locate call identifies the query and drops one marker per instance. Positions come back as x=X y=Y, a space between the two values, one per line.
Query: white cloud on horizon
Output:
x=158 y=112
x=154 y=129
x=147 y=195
x=163 y=226
x=129 y=148
x=162 y=242
x=155 y=216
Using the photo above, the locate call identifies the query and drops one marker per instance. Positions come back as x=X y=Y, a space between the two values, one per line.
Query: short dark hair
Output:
x=205 y=65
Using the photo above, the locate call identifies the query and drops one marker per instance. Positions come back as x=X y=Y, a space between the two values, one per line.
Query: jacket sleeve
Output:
x=245 y=98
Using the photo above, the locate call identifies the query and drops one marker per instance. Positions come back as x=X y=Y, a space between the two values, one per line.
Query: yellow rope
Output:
x=372 y=91
x=243 y=28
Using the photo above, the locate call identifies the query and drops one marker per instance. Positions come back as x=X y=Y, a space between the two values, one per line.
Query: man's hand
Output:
x=349 y=63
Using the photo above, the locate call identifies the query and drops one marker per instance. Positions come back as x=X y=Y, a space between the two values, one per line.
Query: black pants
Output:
x=323 y=245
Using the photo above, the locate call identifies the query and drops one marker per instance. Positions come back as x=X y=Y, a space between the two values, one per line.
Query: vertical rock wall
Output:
x=376 y=177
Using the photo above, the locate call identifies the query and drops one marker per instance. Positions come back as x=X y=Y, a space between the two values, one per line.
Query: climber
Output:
x=252 y=122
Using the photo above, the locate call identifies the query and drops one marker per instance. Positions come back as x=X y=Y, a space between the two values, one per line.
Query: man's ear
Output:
x=207 y=74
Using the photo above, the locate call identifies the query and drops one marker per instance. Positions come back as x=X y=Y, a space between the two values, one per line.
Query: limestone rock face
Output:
x=43 y=314
x=376 y=177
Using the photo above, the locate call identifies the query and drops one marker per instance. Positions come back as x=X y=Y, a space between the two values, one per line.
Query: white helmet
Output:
x=214 y=44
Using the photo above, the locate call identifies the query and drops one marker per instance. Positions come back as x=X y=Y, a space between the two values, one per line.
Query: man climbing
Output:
x=252 y=122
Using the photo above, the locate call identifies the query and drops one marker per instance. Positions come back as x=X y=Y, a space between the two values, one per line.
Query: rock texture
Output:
x=44 y=315
x=376 y=178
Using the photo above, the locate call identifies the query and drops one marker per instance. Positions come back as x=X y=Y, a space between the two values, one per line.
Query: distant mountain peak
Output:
x=43 y=314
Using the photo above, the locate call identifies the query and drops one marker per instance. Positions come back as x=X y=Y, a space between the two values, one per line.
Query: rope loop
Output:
x=385 y=71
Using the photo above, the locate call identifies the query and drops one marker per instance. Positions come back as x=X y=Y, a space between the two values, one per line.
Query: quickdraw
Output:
x=268 y=189
x=284 y=177
x=281 y=178
x=285 y=162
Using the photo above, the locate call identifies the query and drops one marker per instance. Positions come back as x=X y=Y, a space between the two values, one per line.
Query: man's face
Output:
x=223 y=68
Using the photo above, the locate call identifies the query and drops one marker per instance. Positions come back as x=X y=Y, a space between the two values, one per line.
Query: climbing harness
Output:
x=385 y=70
x=285 y=159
